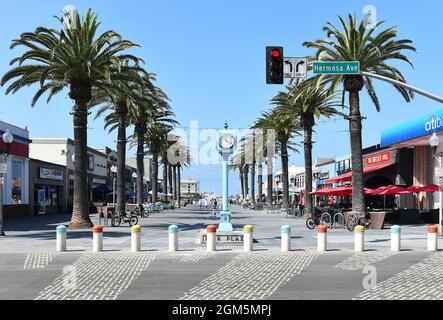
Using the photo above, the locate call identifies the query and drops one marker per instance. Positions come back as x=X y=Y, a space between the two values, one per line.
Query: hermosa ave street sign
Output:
x=336 y=67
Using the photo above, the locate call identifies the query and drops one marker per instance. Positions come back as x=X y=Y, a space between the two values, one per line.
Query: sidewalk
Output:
x=38 y=233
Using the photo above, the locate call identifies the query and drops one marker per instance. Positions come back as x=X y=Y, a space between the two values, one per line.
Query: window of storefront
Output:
x=52 y=195
x=17 y=181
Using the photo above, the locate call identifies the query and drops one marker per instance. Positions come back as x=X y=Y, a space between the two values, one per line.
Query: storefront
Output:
x=16 y=171
x=414 y=136
x=47 y=187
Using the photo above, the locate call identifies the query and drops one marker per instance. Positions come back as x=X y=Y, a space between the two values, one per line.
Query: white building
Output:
x=189 y=187
x=60 y=151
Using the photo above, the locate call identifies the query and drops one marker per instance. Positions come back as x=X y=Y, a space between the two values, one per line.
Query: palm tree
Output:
x=123 y=94
x=153 y=107
x=308 y=101
x=285 y=127
x=73 y=57
x=374 y=52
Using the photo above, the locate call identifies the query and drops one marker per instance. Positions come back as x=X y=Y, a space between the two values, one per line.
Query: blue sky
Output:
x=209 y=57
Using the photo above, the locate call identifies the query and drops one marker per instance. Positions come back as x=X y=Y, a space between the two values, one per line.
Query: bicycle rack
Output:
x=335 y=220
x=327 y=215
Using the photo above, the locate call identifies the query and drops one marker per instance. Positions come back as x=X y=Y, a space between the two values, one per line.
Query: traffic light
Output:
x=274 y=65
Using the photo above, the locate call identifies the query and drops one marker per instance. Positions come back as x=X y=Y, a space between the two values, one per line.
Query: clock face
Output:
x=227 y=141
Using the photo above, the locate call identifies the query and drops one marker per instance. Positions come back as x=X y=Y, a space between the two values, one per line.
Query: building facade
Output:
x=15 y=174
x=47 y=187
x=189 y=187
x=60 y=151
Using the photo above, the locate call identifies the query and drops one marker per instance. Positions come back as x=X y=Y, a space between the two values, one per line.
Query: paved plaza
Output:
x=30 y=268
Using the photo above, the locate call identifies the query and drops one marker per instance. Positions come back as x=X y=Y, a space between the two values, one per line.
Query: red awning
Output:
x=348 y=176
x=384 y=190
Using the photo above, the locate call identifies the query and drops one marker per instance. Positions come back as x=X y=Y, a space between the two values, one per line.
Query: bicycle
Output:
x=357 y=220
x=118 y=219
x=318 y=219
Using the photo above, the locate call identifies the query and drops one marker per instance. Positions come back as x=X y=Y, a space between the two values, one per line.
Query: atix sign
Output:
x=295 y=67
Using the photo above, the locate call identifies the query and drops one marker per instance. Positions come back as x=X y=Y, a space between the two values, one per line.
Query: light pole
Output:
x=434 y=141
x=114 y=172
x=7 y=139
x=134 y=176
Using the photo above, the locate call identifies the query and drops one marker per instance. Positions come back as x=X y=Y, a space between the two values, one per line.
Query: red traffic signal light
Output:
x=274 y=65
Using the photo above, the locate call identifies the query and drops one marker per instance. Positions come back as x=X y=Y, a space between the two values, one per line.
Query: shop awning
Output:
x=384 y=190
x=348 y=176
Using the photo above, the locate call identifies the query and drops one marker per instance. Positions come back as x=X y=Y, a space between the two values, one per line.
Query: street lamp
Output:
x=134 y=176
x=8 y=138
x=114 y=172
x=434 y=141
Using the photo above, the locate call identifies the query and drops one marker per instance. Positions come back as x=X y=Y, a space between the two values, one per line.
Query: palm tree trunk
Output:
x=285 y=177
x=140 y=164
x=246 y=176
x=260 y=181
x=308 y=165
x=179 y=183
x=80 y=214
x=355 y=128
x=253 y=182
x=174 y=178
x=122 y=112
x=154 y=177
x=170 y=179
x=242 y=185
x=165 y=178
x=269 y=168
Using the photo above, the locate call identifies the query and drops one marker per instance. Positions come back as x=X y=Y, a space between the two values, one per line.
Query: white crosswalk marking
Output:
x=254 y=275
x=422 y=281
x=100 y=276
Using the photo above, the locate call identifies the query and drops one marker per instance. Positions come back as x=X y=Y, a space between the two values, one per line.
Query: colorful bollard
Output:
x=359 y=239
x=432 y=237
x=285 y=238
x=395 y=238
x=136 y=238
x=97 y=238
x=211 y=238
x=322 y=231
x=248 y=238
x=173 y=238
x=61 y=238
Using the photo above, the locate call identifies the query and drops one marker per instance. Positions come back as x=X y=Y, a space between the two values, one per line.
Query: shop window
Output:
x=17 y=181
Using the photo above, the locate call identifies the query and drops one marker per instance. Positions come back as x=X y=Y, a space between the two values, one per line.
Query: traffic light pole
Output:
x=404 y=85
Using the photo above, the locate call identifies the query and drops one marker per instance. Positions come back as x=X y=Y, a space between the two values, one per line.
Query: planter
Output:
x=377 y=220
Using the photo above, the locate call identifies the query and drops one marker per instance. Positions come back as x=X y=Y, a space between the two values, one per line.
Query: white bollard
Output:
x=322 y=232
x=432 y=238
x=359 y=239
x=285 y=238
x=211 y=238
x=173 y=238
x=395 y=238
x=61 y=239
x=97 y=238
x=248 y=238
x=136 y=238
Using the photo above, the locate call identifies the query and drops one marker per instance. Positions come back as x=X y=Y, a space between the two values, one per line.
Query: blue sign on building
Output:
x=421 y=126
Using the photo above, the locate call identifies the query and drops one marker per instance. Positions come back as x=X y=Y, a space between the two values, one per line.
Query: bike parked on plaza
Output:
x=130 y=218
x=358 y=220
x=317 y=219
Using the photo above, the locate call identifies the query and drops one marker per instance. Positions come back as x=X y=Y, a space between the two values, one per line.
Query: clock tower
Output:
x=227 y=142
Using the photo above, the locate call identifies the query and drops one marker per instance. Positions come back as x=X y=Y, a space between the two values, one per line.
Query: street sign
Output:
x=295 y=67
x=3 y=168
x=336 y=67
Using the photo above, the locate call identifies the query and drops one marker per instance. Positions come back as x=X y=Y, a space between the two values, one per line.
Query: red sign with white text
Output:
x=379 y=158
